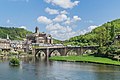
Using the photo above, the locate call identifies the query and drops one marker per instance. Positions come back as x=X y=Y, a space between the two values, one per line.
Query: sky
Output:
x=60 y=18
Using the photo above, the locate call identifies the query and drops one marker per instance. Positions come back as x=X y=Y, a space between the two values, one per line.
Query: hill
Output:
x=55 y=41
x=102 y=32
x=14 y=33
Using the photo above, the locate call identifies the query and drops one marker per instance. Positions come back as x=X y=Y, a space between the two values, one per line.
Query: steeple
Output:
x=36 y=30
x=7 y=37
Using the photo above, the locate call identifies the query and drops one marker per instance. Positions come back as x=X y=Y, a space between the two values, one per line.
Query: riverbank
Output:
x=86 y=58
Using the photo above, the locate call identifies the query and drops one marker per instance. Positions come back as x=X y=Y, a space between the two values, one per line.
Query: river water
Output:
x=39 y=69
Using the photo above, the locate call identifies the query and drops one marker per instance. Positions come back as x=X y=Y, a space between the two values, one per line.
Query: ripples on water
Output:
x=38 y=69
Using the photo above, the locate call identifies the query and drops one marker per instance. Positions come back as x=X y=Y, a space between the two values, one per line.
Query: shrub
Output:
x=117 y=51
x=110 y=50
x=0 y=51
x=101 y=50
x=13 y=53
x=14 y=62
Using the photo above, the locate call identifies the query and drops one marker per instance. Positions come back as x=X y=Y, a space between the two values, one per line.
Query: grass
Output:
x=86 y=58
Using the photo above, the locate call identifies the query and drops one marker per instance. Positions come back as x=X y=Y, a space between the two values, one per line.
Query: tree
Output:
x=112 y=32
x=101 y=36
x=108 y=28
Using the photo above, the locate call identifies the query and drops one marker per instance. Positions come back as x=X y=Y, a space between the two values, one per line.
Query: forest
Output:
x=13 y=33
x=101 y=35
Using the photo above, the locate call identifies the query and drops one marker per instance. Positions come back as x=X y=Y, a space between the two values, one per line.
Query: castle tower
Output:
x=36 y=30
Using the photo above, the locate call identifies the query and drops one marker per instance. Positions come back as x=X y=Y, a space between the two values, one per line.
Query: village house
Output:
x=16 y=45
x=4 y=44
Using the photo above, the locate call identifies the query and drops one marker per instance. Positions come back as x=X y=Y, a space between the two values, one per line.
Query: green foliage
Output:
x=0 y=51
x=20 y=52
x=14 y=62
x=55 y=41
x=102 y=50
x=13 y=53
x=110 y=50
x=112 y=33
x=102 y=35
x=106 y=51
x=14 y=33
x=117 y=51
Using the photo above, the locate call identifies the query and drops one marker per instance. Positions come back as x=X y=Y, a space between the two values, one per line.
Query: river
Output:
x=39 y=69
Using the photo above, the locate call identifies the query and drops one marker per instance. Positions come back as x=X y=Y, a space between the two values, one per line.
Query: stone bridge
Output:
x=63 y=50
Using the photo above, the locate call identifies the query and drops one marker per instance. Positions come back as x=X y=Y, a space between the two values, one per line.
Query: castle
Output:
x=38 y=37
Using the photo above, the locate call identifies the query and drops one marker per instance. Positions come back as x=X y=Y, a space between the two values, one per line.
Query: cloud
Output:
x=73 y=20
x=61 y=25
x=57 y=26
x=54 y=11
x=24 y=27
x=76 y=18
x=64 y=12
x=8 y=21
x=51 y=11
x=89 y=21
x=43 y=19
x=89 y=29
x=61 y=32
x=63 y=3
x=68 y=21
x=60 y=18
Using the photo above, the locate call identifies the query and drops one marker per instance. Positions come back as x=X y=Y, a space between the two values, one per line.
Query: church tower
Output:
x=7 y=37
x=36 y=30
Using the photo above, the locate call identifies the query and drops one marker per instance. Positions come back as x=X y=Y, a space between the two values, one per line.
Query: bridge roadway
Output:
x=63 y=50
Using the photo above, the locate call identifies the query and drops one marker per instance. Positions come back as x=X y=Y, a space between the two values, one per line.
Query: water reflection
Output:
x=42 y=69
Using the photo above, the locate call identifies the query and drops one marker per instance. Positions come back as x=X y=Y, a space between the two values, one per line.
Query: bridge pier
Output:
x=78 y=51
x=65 y=51
x=82 y=50
x=33 y=51
x=62 y=51
x=47 y=53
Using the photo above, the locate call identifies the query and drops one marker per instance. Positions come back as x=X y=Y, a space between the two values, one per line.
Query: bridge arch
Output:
x=71 y=52
x=88 y=51
x=54 y=53
x=41 y=53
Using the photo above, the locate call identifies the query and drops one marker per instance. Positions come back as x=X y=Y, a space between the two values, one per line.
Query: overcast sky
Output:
x=60 y=18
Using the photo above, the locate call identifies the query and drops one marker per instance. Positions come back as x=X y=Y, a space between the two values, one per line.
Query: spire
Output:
x=36 y=30
x=7 y=37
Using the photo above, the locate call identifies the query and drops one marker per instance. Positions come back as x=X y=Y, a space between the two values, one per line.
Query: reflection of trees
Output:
x=41 y=67
x=104 y=72
x=27 y=59
x=4 y=59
